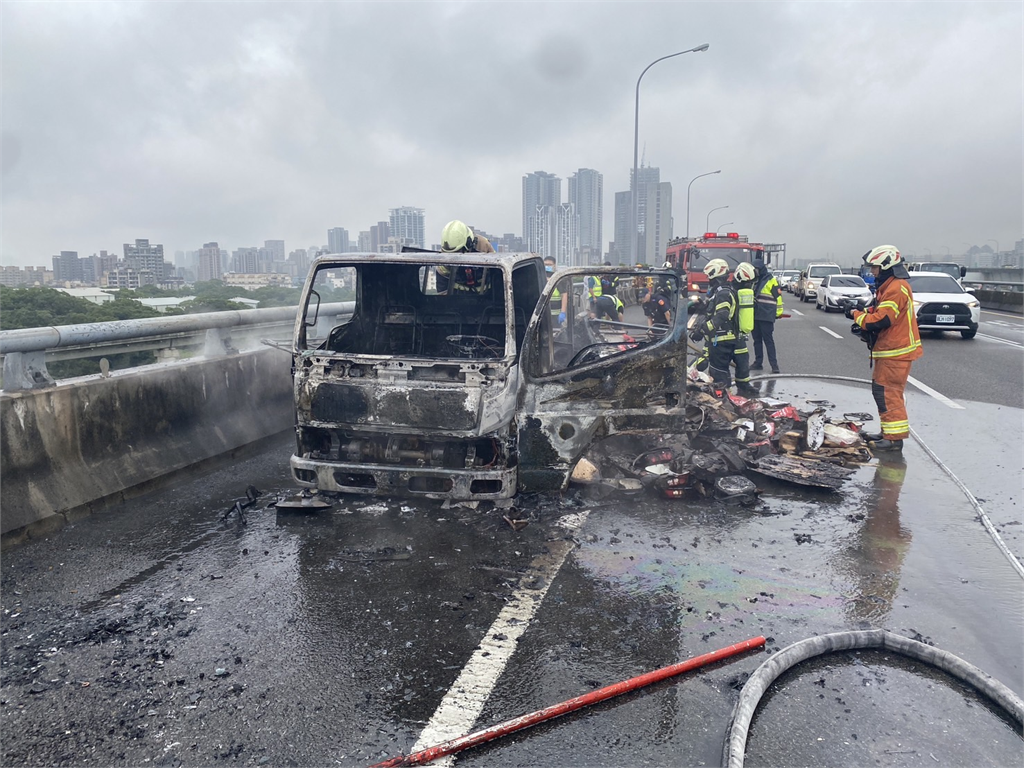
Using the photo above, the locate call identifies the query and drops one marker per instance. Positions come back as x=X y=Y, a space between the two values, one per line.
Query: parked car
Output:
x=784 y=276
x=834 y=289
x=942 y=304
x=810 y=278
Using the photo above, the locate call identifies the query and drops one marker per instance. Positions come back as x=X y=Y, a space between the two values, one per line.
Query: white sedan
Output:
x=942 y=304
x=834 y=289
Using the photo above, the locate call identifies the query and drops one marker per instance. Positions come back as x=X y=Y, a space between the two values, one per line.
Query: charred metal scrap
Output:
x=724 y=436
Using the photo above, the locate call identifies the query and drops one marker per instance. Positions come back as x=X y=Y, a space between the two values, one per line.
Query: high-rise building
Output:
x=543 y=235
x=337 y=240
x=208 y=264
x=658 y=222
x=406 y=226
x=540 y=190
x=379 y=234
x=143 y=257
x=275 y=250
x=67 y=267
x=619 y=249
x=586 y=193
x=364 y=241
x=567 y=243
x=246 y=260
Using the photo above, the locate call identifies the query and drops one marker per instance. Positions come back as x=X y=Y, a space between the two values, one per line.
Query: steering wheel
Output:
x=475 y=346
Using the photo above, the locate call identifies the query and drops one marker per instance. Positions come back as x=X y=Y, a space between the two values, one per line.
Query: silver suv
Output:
x=811 y=277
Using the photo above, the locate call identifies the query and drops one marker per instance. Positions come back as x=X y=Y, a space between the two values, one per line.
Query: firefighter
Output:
x=743 y=283
x=660 y=308
x=767 y=309
x=721 y=329
x=456 y=237
x=559 y=301
x=896 y=345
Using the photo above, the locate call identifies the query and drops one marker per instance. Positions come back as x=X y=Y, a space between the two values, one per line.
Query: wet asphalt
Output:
x=162 y=632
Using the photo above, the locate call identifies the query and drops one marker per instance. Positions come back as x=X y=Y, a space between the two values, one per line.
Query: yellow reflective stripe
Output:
x=860 y=319
x=891 y=305
x=876 y=353
x=905 y=424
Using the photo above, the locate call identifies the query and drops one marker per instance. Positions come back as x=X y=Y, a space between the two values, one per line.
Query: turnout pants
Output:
x=717 y=356
x=888 y=382
x=764 y=332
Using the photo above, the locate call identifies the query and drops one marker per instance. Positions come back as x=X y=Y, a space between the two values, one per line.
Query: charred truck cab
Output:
x=450 y=376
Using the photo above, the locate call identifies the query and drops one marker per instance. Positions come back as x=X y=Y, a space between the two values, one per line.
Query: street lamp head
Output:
x=702 y=47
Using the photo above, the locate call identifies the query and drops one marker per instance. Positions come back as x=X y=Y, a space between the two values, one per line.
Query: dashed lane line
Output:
x=937 y=395
x=465 y=700
x=796 y=312
x=830 y=332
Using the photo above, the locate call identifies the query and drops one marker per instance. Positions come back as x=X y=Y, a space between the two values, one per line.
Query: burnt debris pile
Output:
x=726 y=442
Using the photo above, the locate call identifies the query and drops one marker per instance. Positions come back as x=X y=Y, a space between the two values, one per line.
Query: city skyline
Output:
x=835 y=126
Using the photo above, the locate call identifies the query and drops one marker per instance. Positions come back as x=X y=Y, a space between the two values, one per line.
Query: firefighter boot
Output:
x=747 y=389
x=886 y=445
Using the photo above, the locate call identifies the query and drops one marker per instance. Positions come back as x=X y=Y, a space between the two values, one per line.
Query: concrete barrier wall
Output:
x=69 y=448
x=1007 y=301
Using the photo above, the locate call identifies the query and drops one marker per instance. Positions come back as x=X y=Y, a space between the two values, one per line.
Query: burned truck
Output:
x=470 y=376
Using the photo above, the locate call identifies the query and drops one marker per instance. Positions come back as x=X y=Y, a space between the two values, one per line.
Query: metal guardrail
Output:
x=25 y=351
x=995 y=284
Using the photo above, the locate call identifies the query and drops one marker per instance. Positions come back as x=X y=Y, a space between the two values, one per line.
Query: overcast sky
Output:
x=837 y=126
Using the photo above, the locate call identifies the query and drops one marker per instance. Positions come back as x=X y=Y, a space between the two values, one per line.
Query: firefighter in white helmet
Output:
x=890 y=327
x=721 y=330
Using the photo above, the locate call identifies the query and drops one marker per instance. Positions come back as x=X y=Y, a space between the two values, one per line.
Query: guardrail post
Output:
x=26 y=370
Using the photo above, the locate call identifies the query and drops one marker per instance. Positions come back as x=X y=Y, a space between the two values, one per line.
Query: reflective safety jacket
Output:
x=722 y=311
x=768 y=305
x=593 y=286
x=745 y=309
x=893 y=319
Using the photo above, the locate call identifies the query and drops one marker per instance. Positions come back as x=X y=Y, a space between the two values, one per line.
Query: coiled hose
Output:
x=769 y=671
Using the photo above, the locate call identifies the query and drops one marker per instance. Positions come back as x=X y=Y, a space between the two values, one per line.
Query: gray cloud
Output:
x=836 y=126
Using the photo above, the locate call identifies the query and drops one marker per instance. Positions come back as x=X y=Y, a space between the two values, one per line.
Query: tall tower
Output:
x=586 y=193
x=407 y=223
x=658 y=229
x=540 y=189
x=337 y=240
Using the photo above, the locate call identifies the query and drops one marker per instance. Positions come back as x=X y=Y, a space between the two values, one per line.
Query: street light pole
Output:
x=723 y=225
x=707 y=224
x=636 y=144
x=997 y=245
x=710 y=173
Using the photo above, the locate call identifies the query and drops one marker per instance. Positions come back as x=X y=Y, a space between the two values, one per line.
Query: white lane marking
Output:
x=937 y=395
x=1007 y=342
x=797 y=312
x=464 y=701
x=830 y=332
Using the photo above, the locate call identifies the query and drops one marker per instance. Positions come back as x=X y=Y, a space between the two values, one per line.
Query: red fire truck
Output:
x=689 y=256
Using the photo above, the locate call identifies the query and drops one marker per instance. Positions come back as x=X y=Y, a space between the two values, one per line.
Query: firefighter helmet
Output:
x=456 y=237
x=716 y=268
x=745 y=273
x=883 y=257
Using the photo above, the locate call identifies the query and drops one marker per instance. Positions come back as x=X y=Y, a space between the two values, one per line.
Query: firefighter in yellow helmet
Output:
x=456 y=237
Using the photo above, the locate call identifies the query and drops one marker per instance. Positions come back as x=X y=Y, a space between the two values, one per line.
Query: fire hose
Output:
x=452 y=746
x=766 y=674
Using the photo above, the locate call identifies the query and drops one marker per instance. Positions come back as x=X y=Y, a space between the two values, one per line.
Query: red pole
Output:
x=452 y=746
